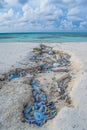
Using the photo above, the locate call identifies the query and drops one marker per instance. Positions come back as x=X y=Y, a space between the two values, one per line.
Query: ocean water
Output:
x=44 y=37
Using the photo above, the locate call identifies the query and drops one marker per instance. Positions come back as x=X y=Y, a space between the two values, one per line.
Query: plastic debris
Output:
x=2 y=77
x=42 y=111
x=43 y=98
x=13 y=76
x=44 y=60
x=43 y=65
x=60 y=69
x=29 y=75
x=56 y=64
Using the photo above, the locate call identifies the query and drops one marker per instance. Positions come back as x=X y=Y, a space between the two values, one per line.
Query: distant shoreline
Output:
x=44 y=37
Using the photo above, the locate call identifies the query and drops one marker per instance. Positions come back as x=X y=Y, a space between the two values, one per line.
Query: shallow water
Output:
x=44 y=37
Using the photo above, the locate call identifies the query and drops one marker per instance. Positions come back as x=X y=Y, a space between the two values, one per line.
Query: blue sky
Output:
x=43 y=15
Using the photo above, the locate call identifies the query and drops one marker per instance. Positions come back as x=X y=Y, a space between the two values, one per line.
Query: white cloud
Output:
x=43 y=4
x=83 y=25
x=74 y=11
x=74 y=18
x=29 y=13
x=46 y=14
x=54 y=16
x=23 y=1
x=10 y=13
x=67 y=1
x=65 y=24
x=7 y=15
x=11 y=2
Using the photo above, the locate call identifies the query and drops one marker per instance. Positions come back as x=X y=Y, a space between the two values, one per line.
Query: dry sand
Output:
x=14 y=94
x=12 y=53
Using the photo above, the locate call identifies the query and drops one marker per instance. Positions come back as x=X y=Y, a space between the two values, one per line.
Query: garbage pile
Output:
x=41 y=110
x=14 y=74
x=49 y=60
x=45 y=60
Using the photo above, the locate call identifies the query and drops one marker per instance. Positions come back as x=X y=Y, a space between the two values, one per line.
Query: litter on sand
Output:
x=13 y=76
x=42 y=110
x=45 y=60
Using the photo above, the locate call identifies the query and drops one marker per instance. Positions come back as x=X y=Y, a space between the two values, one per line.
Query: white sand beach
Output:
x=12 y=53
x=14 y=94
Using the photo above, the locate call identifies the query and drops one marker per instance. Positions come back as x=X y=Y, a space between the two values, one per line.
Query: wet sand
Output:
x=14 y=94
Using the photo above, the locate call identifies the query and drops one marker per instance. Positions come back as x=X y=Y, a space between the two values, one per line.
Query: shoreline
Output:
x=57 y=119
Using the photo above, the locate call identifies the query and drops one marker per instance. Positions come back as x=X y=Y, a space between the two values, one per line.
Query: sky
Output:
x=43 y=15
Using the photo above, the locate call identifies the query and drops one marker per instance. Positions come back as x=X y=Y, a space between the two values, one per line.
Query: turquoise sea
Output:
x=44 y=37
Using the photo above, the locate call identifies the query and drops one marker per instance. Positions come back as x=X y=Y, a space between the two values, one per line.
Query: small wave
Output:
x=6 y=37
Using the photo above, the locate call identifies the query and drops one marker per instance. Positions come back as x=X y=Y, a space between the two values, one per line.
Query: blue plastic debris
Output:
x=35 y=92
x=42 y=109
x=39 y=115
x=48 y=70
x=44 y=98
x=36 y=105
x=31 y=121
x=34 y=83
x=37 y=98
x=13 y=76
x=28 y=109
x=43 y=65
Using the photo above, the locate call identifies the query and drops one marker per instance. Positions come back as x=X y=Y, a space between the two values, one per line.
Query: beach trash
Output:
x=60 y=69
x=43 y=98
x=43 y=65
x=44 y=60
x=13 y=76
x=56 y=64
x=29 y=75
x=34 y=83
x=40 y=111
x=35 y=92
x=2 y=77
x=28 y=109
x=36 y=106
x=47 y=71
x=38 y=116
x=22 y=73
